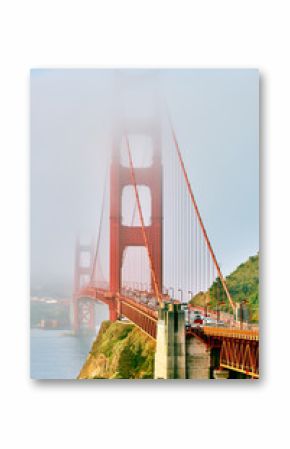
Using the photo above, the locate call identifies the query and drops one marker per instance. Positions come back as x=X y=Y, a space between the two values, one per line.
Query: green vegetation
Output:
x=243 y=284
x=120 y=351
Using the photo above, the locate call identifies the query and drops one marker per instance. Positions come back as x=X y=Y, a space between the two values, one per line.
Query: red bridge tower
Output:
x=122 y=236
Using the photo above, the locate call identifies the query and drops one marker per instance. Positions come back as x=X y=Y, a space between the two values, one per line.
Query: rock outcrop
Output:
x=120 y=351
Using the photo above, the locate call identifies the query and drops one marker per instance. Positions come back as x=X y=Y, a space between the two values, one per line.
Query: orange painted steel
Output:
x=231 y=332
x=141 y=307
x=144 y=317
x=240 y=355
x=200 y=219
x=153 y=274
x=141 y=316
x=122 y=236
x=98 y=294
x=239 y=349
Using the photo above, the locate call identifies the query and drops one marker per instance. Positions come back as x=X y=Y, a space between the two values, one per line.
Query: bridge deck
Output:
x=239 y=348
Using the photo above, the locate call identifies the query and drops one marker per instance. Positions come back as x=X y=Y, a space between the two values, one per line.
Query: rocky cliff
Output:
x=120 y=351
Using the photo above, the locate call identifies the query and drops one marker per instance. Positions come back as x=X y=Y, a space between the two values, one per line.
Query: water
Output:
x=54 y=354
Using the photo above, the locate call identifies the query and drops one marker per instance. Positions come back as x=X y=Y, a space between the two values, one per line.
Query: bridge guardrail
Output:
x=231 y=332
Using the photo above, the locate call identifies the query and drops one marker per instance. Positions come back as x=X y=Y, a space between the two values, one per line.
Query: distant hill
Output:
x=243 y=283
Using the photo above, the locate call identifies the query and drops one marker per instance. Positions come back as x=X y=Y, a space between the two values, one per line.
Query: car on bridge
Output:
x=197 y=320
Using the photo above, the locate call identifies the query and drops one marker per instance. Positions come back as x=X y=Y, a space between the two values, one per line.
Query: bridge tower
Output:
x=83 y=310
x=122 y=236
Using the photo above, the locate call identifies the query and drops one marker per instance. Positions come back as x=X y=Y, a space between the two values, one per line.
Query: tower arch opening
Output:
x=129 y=209
x=135 y=272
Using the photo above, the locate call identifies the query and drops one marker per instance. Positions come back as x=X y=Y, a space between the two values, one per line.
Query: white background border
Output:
x=148 y=34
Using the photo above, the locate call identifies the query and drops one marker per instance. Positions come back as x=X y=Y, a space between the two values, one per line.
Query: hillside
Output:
x=120 y=351
x=243 y=283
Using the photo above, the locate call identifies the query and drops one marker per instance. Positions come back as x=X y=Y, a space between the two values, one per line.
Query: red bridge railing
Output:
x=143 y=317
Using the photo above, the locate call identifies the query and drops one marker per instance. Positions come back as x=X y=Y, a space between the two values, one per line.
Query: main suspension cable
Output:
x=200 y=219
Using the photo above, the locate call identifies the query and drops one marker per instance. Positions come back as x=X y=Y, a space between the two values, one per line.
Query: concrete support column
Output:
x=161 y=362
x=170 y=348
x=197 y=359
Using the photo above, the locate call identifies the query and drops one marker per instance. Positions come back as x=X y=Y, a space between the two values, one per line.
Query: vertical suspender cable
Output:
x=200 y=220
x=100 y=228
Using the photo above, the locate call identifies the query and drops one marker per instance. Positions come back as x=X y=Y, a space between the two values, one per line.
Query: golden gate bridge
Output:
x=153 y=250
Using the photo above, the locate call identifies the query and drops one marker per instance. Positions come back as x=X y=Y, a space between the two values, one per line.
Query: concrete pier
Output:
x=170 y=358
x=179 y=356
x=197 y=359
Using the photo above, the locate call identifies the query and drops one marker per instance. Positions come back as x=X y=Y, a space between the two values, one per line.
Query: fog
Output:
x=73 y=119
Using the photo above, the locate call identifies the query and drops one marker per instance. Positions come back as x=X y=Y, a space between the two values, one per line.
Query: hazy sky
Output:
x=215 y=115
